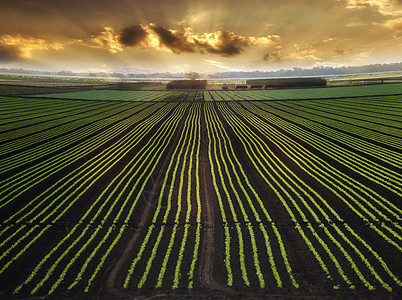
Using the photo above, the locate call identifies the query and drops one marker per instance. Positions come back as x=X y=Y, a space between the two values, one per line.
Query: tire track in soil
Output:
x=110 y=282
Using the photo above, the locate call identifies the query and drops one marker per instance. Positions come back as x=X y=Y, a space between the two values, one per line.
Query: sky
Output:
x=198 y=35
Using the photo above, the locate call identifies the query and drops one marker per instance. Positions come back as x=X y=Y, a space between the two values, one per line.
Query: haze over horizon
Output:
x=203 y=36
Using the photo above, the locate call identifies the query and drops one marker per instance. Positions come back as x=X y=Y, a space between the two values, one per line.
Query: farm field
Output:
x=234 y=194
x=284 y=94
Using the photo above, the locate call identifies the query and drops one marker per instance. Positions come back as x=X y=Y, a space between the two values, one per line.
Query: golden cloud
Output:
x=14 y=47
x=304 y=53
x=153 y=36
x=25 y=45
x=395 y=25
x=107 y=39
x=386 y=7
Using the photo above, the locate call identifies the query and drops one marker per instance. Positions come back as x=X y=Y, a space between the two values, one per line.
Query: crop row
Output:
x=124 y=187
x=114 y=204
x=305 y=205
x=178 y=203
x=191 y=96
x=111 y=95
x=239 y=203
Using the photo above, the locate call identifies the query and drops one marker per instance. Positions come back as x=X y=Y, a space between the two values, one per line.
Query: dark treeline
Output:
x=317 y=71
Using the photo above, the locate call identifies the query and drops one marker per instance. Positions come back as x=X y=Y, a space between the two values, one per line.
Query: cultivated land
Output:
x=247 y=194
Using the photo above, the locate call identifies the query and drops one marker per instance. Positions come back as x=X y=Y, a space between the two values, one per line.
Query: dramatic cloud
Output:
x=133 y=35
x=24 y=45
x=157 y=37
x=175 y=41
x=107 y=39
x=9 y=53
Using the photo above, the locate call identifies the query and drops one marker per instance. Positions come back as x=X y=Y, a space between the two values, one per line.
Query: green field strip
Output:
x=45 y=111
x=386 y=103
x=196 y=145
x=354 y=111
x=319 y=137
x=172 y=125
x=355 y=114
x=216 y=96
x=336 y=185
x=171 y=170
x=239 y=170
x=297 y=183
x=62 y=113
x=311 y=164
x=232 y=95
x=211 y=154
x=374 y=131
x=17 y=184
x=111 y=95
x=217 y=136
x=10 y=219
x=207 y=96
x=19 y=114
x=372 y=136
x=363 y=166
x=49 y=128
x=71 y=130
x=278 y=189
x=191 y=142
x=188 y=141
x=334 y=180
x=34 y=107
x=25 y=105
x=17 y=152
x=358 y=272
x=327 y=92
x=381 y=153
x=103 y=164
x=100 y=121
x=100 y=161
x=154 y=148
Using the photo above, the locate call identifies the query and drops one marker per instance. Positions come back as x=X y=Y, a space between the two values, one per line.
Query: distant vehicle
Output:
x=241 y=87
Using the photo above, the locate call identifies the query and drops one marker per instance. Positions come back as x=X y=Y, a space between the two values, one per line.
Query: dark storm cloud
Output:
x=9 y=53
x=231 y=44
x=175 y=41
x=133 y=35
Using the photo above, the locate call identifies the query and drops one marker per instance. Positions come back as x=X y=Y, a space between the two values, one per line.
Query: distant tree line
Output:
x=317 y=71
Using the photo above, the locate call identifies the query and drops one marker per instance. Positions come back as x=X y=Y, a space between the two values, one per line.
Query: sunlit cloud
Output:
x=395 y=25
x=386 y=7
x=224 y=43
x=304 y=53
x=24 y=46
x=107 y=39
